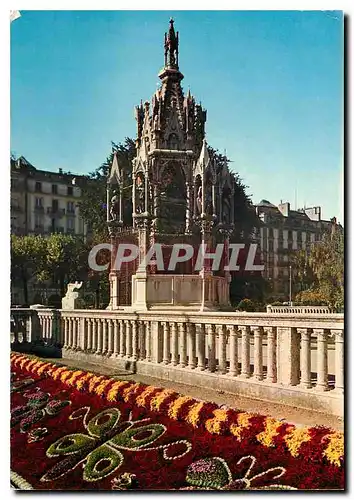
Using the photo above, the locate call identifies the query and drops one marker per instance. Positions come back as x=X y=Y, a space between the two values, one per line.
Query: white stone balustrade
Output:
x=284 y=357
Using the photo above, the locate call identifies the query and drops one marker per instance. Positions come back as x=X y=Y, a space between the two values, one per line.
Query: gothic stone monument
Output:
x=178 y=196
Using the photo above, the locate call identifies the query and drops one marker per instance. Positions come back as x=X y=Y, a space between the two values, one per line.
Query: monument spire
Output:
x=171 y=47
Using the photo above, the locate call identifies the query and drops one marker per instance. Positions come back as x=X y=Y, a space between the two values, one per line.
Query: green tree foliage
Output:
x=28 y=257
x=325 y=271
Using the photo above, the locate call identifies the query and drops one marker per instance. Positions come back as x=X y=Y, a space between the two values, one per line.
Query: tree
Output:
x=325 y=270
x=28 y=260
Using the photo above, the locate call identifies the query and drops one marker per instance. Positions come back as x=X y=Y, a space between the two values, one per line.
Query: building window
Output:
x=55 y=205
x=270 y=232
x=270 y=245
x=290 y=235
x=70 y=191
x=38 y=187
x=39 y=203
x=70 y=225
x=71 y=207
x=54 y=189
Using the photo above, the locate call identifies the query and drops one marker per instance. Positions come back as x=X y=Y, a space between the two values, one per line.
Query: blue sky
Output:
x=272 y=83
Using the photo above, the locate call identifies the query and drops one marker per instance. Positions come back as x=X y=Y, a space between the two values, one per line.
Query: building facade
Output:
x=283 y=230
x=44 y=202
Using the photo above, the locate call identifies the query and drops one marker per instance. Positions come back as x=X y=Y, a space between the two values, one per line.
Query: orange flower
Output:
x=193 y=416
x=214 y=425
x=141 y=399
x=295 y=438
x=243 y=423
x=43 y=368
x=82 y=380
x=176 y=405
x=101 y=387
x=112 y=393
x=94 y=381
x=65 y=375
x=130 y=390
x=156 y=402
x=71 y=381
x=266 y=437
x=334 y=451
x=56 y=374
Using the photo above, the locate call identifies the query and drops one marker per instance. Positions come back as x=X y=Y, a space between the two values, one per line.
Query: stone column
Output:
x=339 y=361
x=157 y=342
x=322 y=359
x=99 y=336
x=222 y=349
x=134 y=340
x=183 y=344
x=94 y=325
x=148 y=340
x=141 y=340
x=104 y=337
x=271 y=354
x=83 y=334
x=122 y=339
x=110 y=338
x=305 y=358
x=89 y=334
x=201 y=347
x=192 y=345
x=70 y=333
x=166 y=343
x=233 y=350
x=174 y=347
x=211 y=348
x=258 y=353
x=288 y=356
x=66 y=333
x=245 y=352
x=115 y=338
x=128 y=334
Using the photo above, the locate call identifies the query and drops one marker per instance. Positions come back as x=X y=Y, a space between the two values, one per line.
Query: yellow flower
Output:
x=193 y=416
x=335 y=448
x=65 y=375
x=243 y=423
x=71 y=381
x=31 y=364
x=82 y=381
x=156 y=402
x=176 y=405
x=56 y=374
x=130 y=390
x=266 y=437
x=42 y=368
x=214 y=425
x=18 y=360
x=112 y=393
x=25 y=360
x=94 y=381
x=101 y=387
x=141 y=399
x=295 y=438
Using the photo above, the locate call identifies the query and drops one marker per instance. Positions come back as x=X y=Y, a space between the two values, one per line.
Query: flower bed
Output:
x=74 y=430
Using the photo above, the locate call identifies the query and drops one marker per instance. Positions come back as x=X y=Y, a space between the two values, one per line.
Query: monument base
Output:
x=179 y=291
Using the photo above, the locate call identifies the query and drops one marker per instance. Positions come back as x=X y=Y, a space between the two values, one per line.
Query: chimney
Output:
x=60 y=170
x=284 y=208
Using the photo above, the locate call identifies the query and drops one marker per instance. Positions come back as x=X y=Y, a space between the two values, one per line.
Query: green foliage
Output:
x=246 y=305
x=324 y=283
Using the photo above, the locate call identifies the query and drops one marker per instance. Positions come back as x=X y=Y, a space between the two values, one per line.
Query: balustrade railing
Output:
x=299 y=352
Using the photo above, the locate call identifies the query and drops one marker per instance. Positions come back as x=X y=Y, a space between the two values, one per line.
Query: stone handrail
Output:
x=299 y=309
x=271 y=356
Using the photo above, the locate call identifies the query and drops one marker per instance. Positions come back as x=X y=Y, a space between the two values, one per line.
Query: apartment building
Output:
x=44 y=202
x=283 y=230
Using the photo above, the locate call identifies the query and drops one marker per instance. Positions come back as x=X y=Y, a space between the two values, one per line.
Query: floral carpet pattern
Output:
x=74 y=430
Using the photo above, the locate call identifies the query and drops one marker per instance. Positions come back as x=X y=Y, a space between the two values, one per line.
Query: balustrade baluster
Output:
x=166 y=343
x=174 y=347
x=99 y=337
x=128 y=332
x=110 y=338
x=141 y=343
x=192 y=345
x=70 y=333
x=233 y=350
x=183 y=344
x=134 y=340
x=94 y=334
x=122 y=338
x=339 y=361
x=211 y=348
x=104 y=336
x=271 y=354
x=148 y=340
x=115 y=337
x=258 y=353
x=222 y=348
x=322 y=359
x=305 y=358
x=89 y=334
x=66 y=333
x=201 y=347
x=245 y=352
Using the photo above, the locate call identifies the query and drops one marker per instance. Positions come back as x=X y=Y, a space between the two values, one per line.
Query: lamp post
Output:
x=290 y=277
